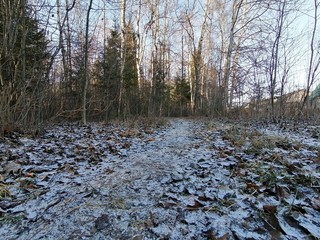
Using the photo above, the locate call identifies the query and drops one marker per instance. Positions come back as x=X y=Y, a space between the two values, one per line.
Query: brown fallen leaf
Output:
x=195 y=206
x=129 y=133
x=270 y=208
x=126 y=145
x=196 y=146
x=211 y=236
x=27 y=183
x=224 y=237
x=292 y=168
x=109 y=171
x=317 y=159
x=12 y=168
x=253 y=186
x=315 y=203
x=30 y=175
x=282 y=192
x=149 y=131
x=223 y=155
x=150 y=139
x=205 y=198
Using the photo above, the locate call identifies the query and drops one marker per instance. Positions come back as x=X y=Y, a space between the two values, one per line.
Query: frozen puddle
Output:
x=180 y=182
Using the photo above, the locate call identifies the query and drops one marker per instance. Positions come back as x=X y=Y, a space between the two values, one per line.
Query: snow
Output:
x=185 y=180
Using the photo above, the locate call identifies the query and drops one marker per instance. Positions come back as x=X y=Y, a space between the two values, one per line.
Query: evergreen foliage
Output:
x=315 y=93
x=21 y=39
x=24 y=59
x=107 y=73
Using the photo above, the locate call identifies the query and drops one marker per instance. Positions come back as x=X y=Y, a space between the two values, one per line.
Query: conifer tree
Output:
x=23 y=60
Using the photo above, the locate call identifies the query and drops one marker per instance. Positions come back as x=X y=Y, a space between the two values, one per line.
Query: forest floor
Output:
x=187 y=179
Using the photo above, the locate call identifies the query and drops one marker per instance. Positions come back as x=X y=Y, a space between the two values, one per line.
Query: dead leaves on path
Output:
x=226 y=183
x=30 y=167
x=268 y=186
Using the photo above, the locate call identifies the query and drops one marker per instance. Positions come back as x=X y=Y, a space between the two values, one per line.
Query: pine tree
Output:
x=23 y=63
x=107 y=73
x=315 y=93
x=22 y=39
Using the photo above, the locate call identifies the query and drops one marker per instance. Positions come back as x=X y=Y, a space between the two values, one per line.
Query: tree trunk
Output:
x=274 y=61
x=227 y=69
x=314 y=61
x=86 y=68
x=139 y=48
x=123 y=55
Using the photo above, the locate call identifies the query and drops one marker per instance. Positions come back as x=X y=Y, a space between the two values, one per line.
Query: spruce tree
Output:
x=21 y=38
x=107 y=72
x=23 y=63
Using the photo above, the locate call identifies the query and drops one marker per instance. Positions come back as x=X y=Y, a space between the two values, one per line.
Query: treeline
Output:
x=66 y=60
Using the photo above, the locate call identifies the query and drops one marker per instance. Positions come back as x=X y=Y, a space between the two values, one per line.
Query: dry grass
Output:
x=4 y=192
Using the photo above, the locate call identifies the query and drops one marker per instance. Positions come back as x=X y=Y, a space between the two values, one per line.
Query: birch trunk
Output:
x=227 y=69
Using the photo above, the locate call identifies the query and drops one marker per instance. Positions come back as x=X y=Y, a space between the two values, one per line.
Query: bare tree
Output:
x=122 y=53
x=196 y=52
x=274 y=58
x=140 y=47
x=236 y=7
x=86 y=67
x=314 y=60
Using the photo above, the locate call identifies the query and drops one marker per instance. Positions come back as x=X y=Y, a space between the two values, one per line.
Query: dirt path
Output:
x=117 y=198
x=181 y=182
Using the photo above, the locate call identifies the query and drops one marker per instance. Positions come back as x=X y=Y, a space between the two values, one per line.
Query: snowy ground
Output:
x=190 y=180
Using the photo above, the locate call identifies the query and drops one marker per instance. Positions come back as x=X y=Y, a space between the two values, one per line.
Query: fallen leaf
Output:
x=289 y=225
x=150 y=139
x=195 y=206
x=149 y=131
x=224 y=237
x=308 y=222
x=102 y=222
x=109 y=171
x=317 y=159
x=315 y=203
x=281 y=191
x=91 y=148
x=270 y=208
x=253 y=186
x=12 y=168
x=210 y=235
x=30 y=175
x=27 y=183
x=205 y=198
x=223 y=155
x=126 y=145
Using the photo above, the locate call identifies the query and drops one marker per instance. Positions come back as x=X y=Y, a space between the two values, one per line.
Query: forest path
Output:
x=192 y=179
x=163 y=155
x=87 y=195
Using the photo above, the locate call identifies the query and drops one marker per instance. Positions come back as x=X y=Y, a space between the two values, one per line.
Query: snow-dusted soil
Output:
x=189 y=180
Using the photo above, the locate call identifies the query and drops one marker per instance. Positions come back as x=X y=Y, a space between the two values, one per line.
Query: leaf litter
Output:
x=190 y=179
